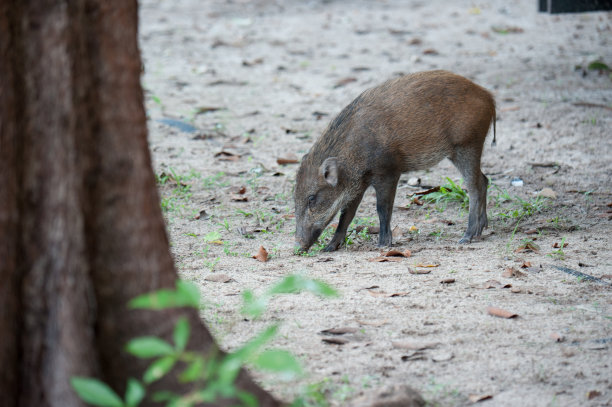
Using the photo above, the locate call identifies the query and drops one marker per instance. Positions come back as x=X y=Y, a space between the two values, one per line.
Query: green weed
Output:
x=449 y=192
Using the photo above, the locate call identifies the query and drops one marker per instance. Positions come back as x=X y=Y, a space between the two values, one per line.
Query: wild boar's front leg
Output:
x=385 y=187
x=346 y=216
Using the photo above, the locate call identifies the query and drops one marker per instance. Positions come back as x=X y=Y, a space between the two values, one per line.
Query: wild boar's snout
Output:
x=405 y=124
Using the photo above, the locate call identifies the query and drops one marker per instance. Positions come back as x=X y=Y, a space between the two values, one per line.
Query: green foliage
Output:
x=293 y=284
x=449 y=192
x=214 y=374
x=95 y=392
x=186 y=294
x=598 y=66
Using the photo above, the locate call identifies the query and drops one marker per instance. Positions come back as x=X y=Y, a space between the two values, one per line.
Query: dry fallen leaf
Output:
x=491 y=284
x=501 y=313
x=339 y=331
x=512 y=272
x=515 y=290
x=427 y=265
x=413 y=345
x=475 y=398
x=556 y=245
x=416 y=355
x=287 y=159
x=411 y=271
x=227 y=156
x=335 y=341
x=345 y=81
x=324 y=259
x=526 y=264
x=262 y=255
x=447 y=281
x=218 y=278
x=396 y=253
x=527 y=247
x=591 y=394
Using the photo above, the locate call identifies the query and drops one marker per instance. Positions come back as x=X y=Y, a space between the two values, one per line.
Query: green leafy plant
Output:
x=559 y=254
x=213 y=374
x=449 y=192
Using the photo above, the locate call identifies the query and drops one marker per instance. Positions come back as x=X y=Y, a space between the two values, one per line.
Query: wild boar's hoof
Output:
x=332 y=247
x=465 y=240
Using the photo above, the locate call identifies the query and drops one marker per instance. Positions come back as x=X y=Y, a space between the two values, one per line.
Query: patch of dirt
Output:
x=251 y=84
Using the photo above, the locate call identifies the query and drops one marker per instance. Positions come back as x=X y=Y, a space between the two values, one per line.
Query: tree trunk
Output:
x=81 y=230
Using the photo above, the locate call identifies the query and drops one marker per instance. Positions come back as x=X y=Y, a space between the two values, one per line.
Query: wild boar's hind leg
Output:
x=346 y=216
x=385 y=187
x=467 y=161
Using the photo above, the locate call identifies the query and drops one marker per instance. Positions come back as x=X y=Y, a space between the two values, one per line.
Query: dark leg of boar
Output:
x=467 y=161
x=346 y=216
x=385 y=196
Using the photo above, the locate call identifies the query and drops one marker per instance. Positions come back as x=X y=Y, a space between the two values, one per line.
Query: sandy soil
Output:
x=259 y=80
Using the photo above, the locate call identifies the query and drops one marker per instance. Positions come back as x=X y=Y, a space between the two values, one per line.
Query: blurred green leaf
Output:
x=598 y=66
x=181 y=334
x=134 y=393
x=278 y=361
x=296 y=283
x=158 y=369
x=186 y=294
x=194 y=370
x=149 y=347
x=253 y=306
x=95 y=392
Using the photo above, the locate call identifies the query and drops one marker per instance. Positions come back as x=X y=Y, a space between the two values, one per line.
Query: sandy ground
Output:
x=259 y=80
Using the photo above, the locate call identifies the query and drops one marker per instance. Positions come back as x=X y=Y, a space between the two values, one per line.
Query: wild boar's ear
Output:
x=329 y=171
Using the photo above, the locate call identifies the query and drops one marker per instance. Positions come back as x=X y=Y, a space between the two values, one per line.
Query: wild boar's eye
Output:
x=312 y=200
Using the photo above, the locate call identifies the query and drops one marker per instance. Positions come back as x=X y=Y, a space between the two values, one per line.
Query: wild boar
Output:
x=405 y=124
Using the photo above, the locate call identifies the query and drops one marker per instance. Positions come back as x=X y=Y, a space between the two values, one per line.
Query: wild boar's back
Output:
x=412 y=122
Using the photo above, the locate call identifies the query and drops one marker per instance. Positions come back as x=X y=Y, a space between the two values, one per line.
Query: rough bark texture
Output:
x=81 y=230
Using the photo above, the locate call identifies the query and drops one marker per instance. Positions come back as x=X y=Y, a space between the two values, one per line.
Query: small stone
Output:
x=516 y=182
x=414 y=182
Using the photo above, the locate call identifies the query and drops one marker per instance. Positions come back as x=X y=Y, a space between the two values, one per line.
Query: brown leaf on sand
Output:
x=427 y=265
x=526 y=264
x=447 y=281
x=556 y=245
x=218 y=278
x=339 y=331
x=345 y=81
x=491 y=284
x=227 y=156
x=375 y=323
x=501 y=313
x=475 y=398
x=428 y=191
x=413 y=345
x=262 y=255
x=512 y=272
x=382 y=259
x=335 y=341
x=287 y=159
x=397 y=253
x=411 y=271
x=591 y=394
x=528 y=247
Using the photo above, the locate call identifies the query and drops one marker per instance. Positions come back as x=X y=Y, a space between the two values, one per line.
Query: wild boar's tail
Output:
x=494 y=120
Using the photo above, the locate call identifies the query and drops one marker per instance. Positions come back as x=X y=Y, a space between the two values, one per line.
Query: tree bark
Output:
x=81 y=229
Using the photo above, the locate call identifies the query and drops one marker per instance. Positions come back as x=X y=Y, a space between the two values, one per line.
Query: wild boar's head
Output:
x=317 y=198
